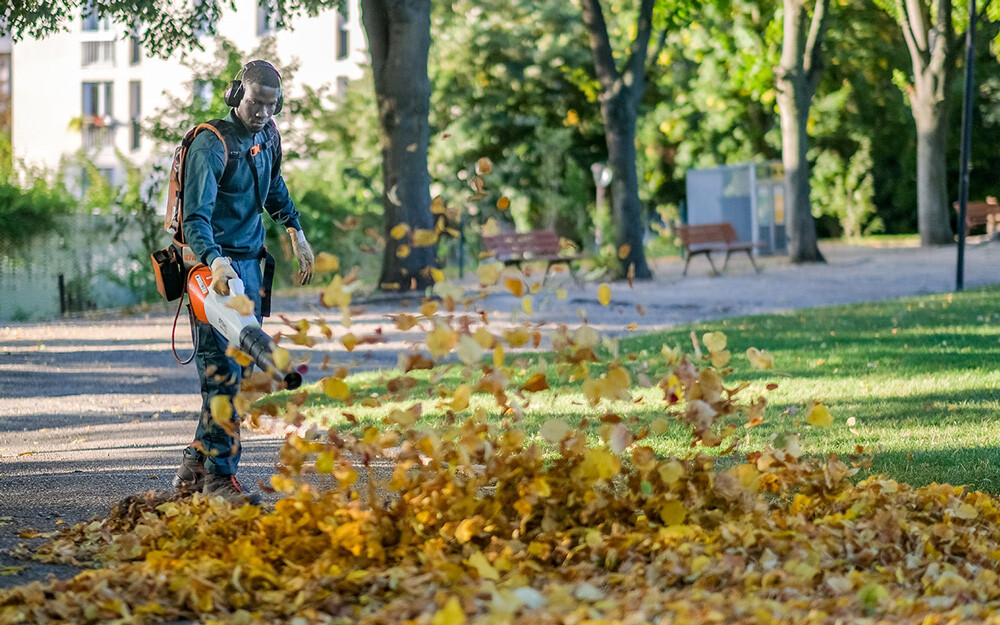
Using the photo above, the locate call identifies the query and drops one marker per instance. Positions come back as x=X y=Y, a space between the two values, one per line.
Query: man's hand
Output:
x=303 y=253
x=222 y=273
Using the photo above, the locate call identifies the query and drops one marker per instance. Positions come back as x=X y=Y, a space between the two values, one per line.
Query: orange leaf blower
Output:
x=243 y=331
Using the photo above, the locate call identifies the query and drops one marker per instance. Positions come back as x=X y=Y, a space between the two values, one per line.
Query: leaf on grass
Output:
x=820 y=416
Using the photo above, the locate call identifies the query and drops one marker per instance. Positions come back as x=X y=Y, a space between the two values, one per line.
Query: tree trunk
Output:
x=626 y=208
x=930 y=37
x=399 y=39
x=930 y=113
x=620 y=96
x=797 y=77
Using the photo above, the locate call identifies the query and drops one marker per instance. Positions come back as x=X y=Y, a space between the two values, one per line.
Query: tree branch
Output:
x=918 y=23
x=911 y=42
x=640 y=46
x=812 y=58
x=600 y=46
x=661 y=43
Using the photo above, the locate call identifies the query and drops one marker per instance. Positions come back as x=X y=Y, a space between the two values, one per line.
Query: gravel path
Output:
x=95 y=409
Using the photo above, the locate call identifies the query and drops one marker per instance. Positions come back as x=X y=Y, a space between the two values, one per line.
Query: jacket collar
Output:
x=241 y=128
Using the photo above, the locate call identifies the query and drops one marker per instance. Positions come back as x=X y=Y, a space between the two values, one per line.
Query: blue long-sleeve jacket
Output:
x=223 y=217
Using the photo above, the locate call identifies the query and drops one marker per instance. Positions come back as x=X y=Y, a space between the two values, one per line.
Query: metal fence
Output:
x=77 y=267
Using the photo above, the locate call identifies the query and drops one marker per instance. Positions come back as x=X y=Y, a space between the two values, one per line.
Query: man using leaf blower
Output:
x=229 y=177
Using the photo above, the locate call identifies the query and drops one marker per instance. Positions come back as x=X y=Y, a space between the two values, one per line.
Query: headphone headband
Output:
x=234 y=93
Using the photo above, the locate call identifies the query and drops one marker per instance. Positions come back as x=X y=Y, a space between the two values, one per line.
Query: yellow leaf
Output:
x=516 y=337
x=560 y=293
x=404 y=322
x=714 y=341
x=460 y=398
x=554 y=431
x=604 y=294
x=326 y=262
x=428 y=308
x=324 y=462
x=536 y=383
x=624 y=251
x=335 y=388
x=242 y=358
x=659 y=425
x=423 y=238
x=335 y=296
x=759 y=358
x=720 y=358
x=489 y=273
x=402 y=251
x=482 y=566
x=241 y=304
x=515 y=286
x=437 y=275
x=437 y=205
x=466 y=530
x=483 y=337
x=526 y=305
x=399 y=231
x=673 y=513
x=670 y=471
x=450 y=614
x=490 y=228
x=404 y=418
x=966 y=511
x=221 y=409
x=281 y=358
x=820 y=416
x=469 y=350
x=503 y=203
x=441 y=340
x=498 y=356
x=350 y=341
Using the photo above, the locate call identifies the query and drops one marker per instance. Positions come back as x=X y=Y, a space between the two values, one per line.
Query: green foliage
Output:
x=844 y=189
x=338 y=188
x=513 y=82
x=29 y=202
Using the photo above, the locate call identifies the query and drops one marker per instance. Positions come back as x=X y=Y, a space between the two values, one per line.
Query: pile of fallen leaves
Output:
x=475 y=521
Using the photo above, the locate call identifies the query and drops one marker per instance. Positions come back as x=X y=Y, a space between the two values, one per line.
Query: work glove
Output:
x=303 y=253
x=222 y=273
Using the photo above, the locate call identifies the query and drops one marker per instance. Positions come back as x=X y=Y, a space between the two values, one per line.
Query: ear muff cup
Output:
x=234 y=93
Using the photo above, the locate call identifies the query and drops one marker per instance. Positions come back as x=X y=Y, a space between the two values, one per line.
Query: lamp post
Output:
x=963 y=176
x=602 y=178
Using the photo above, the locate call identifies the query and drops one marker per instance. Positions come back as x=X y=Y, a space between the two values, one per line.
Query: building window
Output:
x=135 y=113
x=134 y=49
x=343 y=34
x=91 y=22
x=98 y=53
x=97 y=109
x=267 y=18
x=342 y=82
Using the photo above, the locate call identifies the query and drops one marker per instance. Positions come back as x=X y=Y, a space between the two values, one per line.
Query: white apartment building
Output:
x=91 y=86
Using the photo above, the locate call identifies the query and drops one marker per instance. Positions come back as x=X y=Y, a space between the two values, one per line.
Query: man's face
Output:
x=257 y=106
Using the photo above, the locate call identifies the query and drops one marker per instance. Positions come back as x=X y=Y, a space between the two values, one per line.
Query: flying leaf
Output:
x=760 y=359
x=554 y=431
x=403 y=251
x=536 y=383
x=399 y=231
x=335 y=387
x=820 y=416
x=503 y=203
x=241 y=304
x=484 y=166
x=326 y=262
x=424 y=238
x=604 y=294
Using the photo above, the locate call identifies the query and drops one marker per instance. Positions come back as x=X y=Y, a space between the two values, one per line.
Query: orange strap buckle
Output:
x=255 y=150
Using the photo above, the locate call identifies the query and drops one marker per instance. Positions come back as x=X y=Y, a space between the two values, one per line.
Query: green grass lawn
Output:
x=918 y=376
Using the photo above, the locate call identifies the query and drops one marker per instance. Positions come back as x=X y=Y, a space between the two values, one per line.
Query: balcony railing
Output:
x=97 y=137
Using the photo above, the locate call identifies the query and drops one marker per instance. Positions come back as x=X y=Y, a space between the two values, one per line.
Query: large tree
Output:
x=935 y=45
x=797 y=77
x=398 y=33
x=621 y=94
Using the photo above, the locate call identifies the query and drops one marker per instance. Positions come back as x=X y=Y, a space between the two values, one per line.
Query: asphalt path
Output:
x=95 y=408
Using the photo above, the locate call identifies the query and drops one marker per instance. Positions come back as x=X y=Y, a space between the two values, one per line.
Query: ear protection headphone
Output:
x=235 y=91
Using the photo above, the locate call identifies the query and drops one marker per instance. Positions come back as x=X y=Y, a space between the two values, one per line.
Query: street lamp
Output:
x=602 y=178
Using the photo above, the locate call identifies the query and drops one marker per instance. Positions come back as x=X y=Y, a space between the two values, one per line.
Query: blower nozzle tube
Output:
x=260 y=347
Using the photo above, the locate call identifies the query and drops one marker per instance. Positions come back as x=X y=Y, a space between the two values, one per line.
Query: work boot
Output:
x=190 y=476
x=229 y=488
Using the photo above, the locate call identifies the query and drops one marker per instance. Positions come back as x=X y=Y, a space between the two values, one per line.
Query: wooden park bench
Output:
x=982 y=214
x=715 y=237
x=516 y=248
